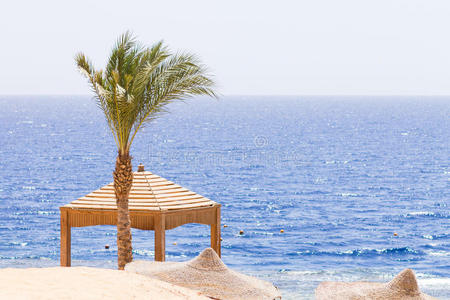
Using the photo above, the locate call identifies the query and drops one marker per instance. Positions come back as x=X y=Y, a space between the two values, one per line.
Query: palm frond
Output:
x=138 y=83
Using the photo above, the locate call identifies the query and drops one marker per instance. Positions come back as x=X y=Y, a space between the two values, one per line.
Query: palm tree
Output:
x=134 y=89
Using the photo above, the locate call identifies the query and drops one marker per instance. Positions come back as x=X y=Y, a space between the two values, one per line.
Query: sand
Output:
x=86 y=283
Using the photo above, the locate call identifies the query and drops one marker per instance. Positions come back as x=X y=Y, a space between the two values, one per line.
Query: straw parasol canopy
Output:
x=209 y=275
x=402 y=287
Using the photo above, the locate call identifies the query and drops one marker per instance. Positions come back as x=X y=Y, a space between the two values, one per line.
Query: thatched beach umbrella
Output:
x=209 y=275
x=402 y=287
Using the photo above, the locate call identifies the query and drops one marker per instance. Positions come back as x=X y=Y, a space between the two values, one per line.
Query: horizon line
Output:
x=251 y=95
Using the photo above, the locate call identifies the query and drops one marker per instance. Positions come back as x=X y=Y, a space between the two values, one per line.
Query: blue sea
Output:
x=360 y=185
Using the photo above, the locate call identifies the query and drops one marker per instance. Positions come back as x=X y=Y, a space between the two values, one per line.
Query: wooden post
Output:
x=160 y=237
x=215 y=232
x=65 y=239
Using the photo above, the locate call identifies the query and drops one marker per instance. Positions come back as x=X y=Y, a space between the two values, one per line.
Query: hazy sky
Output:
x=253 y=47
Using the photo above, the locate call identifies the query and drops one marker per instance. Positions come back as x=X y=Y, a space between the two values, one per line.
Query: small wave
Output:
x=27 y=187
x=349 y=195
x=438 y=253
x=46 y=213
x=22 y=244
x=25 y=257
x=361 y=252
x=143 y=252
x=436 y=236
x=316 y=192
x=418 y=214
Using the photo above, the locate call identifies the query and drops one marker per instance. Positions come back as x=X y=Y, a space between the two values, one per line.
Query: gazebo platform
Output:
x=155 y=203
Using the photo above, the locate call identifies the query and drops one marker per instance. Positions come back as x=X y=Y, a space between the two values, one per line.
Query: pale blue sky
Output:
x=379 y=47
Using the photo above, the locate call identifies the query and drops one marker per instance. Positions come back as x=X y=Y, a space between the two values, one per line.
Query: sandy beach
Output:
x=86 y=283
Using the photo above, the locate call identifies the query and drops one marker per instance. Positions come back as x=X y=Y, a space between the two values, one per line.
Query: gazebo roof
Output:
x=148 y=192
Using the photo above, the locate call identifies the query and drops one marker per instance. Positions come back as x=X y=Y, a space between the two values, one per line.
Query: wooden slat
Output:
x=145 y=184
x=141 y=192
x=180 y=199
x=113 y=200
x=175 y=194
x=109 y=203
x=145 y=188
x=102 y=199
x=178 y=203
x=133 y=190
x=93 y=200
x=188 y=205
x=112 y=195
x=171 y=190
x=110 y=207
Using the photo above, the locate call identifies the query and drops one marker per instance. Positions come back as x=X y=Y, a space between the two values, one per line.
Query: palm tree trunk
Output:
x=123 y=179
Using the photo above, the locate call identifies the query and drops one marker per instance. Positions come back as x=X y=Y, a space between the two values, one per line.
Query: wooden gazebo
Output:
x=155 y=203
